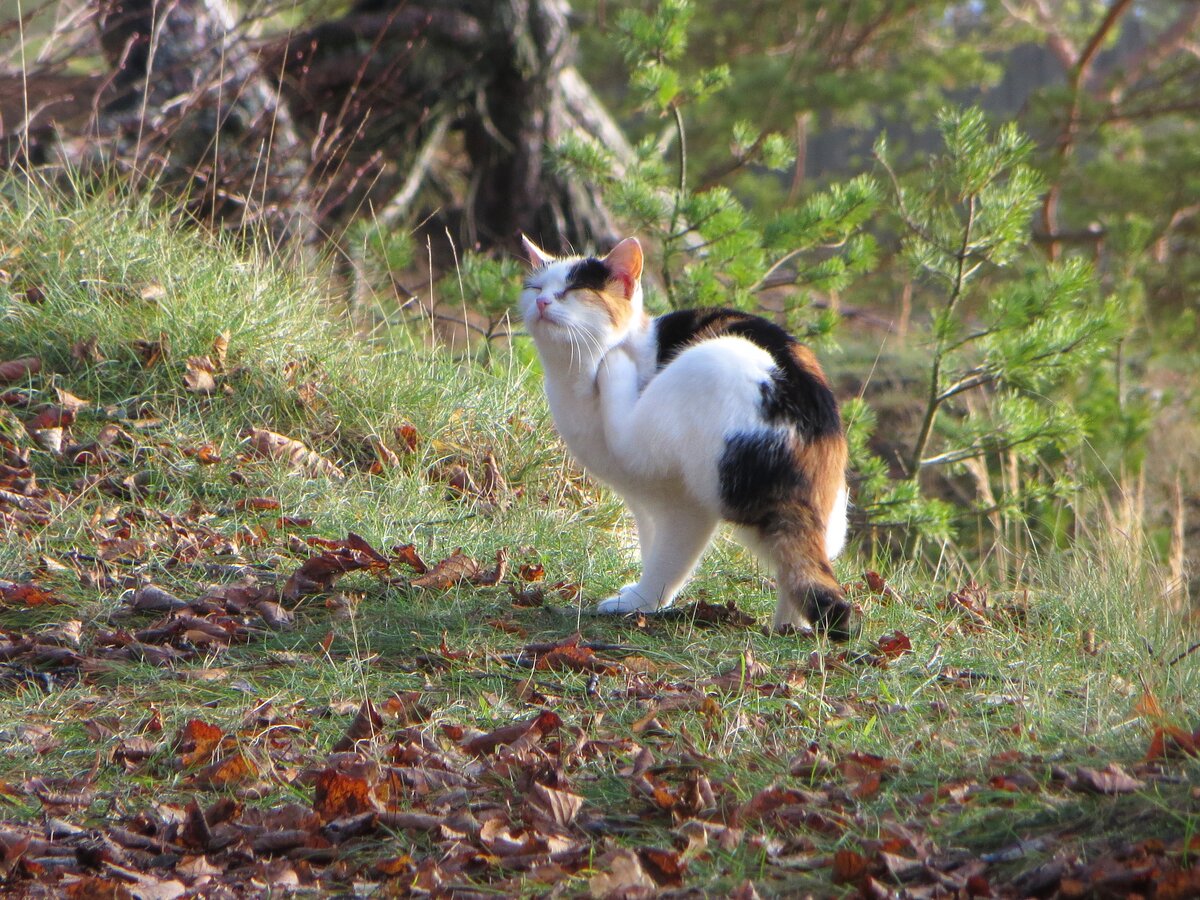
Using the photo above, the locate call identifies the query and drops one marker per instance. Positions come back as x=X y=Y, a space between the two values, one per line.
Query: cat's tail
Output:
x=809 y=592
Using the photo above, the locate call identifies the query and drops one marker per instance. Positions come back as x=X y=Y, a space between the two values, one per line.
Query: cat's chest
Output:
x=577 y=417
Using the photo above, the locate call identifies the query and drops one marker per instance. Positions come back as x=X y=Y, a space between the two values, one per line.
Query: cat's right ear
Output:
x=538 y=257
x=624 y=261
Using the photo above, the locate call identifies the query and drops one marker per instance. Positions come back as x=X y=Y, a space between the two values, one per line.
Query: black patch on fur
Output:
x=758 y=472
x=588 y=274
x=794 y=395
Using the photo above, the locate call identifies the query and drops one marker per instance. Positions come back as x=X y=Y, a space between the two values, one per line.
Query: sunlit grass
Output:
x=1057 y=682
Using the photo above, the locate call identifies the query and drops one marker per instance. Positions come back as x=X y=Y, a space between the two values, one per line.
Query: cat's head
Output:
x=586 y=304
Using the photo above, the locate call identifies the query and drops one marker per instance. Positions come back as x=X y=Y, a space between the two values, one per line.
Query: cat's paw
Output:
x=628 y=600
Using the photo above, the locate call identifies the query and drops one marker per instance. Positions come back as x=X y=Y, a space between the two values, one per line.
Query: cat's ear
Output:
x=624 y=261
x=537 y=256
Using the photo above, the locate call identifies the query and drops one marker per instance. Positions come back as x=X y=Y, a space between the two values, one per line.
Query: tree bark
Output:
x=187 y=105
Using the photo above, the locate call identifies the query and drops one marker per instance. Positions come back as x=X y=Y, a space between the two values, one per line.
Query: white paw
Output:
x=628 y=600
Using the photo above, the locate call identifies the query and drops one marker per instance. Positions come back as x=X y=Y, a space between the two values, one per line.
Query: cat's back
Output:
x=793 y=387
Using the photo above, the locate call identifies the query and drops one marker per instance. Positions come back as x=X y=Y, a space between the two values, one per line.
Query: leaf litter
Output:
x=412 y=795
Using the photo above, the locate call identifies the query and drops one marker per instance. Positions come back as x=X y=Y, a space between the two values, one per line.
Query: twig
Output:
x=1188 y=652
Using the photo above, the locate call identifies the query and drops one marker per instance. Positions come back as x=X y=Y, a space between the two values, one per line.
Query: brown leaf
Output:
x=338 y=795
x=92 y=888
x=206 y=454
x=527 y=732
x=849 y=866
x=293 y=453
x=560 y=807
x=67 y=400
x=450 y=571
x=531 y=572
x=407 y=436
x=151 y=352
x=703 y=613
x=573 y=658
x=51 y=417
x=15 y=370
x=87 y=351
x=135 y=750
x=621 y=874
x=666 y=867
x=221 y=349
x=877 y=585
x=257 y=503
x=407 y=554
x=1112 y=779
x=274 y=615
x=366 y=725
x=317 y=573
x=894 y=645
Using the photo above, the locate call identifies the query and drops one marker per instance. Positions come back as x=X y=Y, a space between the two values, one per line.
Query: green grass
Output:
x=1052 y=687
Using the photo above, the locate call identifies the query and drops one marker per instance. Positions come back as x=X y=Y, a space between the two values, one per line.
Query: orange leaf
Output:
x=198 y=742
x=226 y=772
x=338 y=795
x=531 y=572
x=407 y=554
x=28 y=594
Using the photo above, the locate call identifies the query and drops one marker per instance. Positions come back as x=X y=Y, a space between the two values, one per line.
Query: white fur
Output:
x=656 y=437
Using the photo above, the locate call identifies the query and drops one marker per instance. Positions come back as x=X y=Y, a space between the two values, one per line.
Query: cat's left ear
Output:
x=538 y=258
x=624 y=262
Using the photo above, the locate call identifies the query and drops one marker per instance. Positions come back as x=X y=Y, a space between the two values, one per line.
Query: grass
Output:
x=980 y=728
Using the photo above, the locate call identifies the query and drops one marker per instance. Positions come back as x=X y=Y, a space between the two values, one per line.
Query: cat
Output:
x=695 y=417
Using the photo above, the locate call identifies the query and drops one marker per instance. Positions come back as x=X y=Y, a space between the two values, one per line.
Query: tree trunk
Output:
x=187 y=104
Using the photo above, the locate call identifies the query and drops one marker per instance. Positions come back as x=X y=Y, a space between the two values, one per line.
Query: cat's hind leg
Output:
x=671 y=548
x=809 y=593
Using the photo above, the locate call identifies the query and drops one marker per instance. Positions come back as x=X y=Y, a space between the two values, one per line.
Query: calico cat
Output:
x=695 y=417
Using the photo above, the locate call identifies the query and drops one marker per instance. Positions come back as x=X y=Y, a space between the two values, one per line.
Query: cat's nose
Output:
x=542 y=303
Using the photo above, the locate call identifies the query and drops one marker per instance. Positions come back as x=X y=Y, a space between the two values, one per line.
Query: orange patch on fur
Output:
x=614 y=304
x=808 y=362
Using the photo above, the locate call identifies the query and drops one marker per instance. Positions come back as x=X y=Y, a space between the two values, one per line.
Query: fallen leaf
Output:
x=894 y=645
x=366 y=725
x=198 y=376
x=531 y=572
x=849 y=866
x=292 y=453
x=455 y=568
x=715 y=615
x=15 y=370
x=1112 y=779
x=878 y=585
x=529 y=731
x=337 y=795
x=221 y=349
x=407 y=554
x=151 y=352
x=1169 y=741
x=27 y=594
x=231 y=770
x=198 y=742
x=621 y=875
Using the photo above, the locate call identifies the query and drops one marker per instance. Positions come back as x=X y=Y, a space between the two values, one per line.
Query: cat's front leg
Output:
x=671 y=549
x=617 y=384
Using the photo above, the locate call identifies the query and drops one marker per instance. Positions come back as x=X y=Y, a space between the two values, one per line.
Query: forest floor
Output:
x=289 y=609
